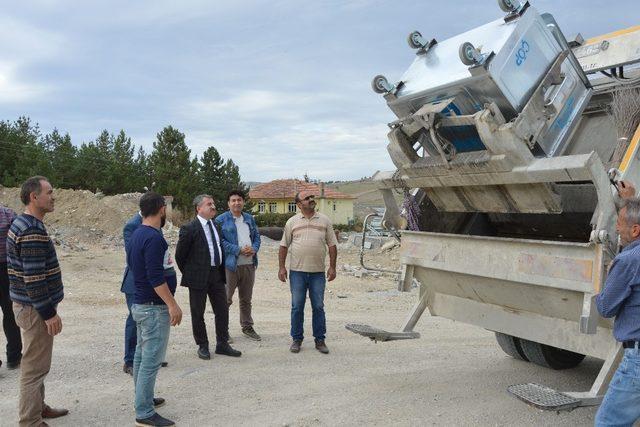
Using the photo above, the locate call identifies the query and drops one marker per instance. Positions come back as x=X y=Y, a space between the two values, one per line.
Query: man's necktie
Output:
x=216 y=253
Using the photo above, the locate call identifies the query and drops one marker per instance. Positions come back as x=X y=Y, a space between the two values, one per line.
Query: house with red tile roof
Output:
x=278 y=197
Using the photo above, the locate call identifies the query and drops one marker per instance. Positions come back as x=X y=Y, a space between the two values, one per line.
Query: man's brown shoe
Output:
x=49 y=412
x=322 y=347
x=295 y=346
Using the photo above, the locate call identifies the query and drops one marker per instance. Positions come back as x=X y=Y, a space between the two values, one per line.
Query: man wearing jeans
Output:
x=621 y=298
x=306 y=237
x=154 y=307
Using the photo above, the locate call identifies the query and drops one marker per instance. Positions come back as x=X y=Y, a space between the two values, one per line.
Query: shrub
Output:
x=273 y=219
x=348 y=227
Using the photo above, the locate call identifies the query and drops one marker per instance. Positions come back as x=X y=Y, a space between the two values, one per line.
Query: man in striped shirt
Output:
x=36 y=290
x=306 y=238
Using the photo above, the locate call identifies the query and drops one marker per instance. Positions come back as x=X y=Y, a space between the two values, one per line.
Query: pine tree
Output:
x=171 y=167
x=212 y=176
x=142 y=176
x=233 y=181
x=123 y=168
x=89 y=166
x=22 y=154
x=62 y=158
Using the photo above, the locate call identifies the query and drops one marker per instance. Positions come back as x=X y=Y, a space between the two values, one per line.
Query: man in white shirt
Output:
x=200 y=258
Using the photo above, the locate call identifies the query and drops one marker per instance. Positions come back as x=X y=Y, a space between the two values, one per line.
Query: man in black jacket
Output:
x=200 y=258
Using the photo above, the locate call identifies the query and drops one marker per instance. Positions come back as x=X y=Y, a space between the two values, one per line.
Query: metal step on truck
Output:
x=508 y=140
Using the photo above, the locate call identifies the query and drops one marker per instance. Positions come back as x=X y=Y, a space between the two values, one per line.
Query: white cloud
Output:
x=24 y=43
x=279 y=86
x=325 y=150
x=272 y=134
x=255 y=104
x=13 y=90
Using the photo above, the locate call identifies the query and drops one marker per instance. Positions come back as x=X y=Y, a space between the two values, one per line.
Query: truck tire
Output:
x=511 y=345
x=550 y=357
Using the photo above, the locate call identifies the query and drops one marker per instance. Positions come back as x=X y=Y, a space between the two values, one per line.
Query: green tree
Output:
x=212 y=175
x=142 y=176
x=62 y=159
x=89 y=166
x=123 y=166
x=172 y=169
x=113 y=164
x=105 y=162
x=219 y=177
x=232 y=181
x=21 y=153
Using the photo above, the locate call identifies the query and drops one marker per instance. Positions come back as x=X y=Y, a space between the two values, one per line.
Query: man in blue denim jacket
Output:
x=621 y=298
x=240 y=242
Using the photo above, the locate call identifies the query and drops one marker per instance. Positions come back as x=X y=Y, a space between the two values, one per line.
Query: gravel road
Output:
x=454 y=375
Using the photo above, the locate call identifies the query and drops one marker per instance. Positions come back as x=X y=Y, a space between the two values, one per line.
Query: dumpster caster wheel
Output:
x=380 y=84
x=467 y=53
x=507 y=5
x=414 y=40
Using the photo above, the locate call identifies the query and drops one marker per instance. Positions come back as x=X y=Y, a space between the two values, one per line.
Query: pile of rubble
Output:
x=82 y=218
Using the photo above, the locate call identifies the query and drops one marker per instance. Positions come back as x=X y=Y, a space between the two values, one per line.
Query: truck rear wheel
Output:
x=550 y=357
x=511 y=345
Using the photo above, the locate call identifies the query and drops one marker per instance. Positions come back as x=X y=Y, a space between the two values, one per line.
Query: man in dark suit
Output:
x=200 y=258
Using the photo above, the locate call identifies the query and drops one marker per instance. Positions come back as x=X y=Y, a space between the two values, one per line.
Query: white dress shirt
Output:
x=207 y=233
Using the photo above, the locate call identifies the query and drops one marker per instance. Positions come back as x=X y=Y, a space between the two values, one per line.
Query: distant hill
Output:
x=367 y=193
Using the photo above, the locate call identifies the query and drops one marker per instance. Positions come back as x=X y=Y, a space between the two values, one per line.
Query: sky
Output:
x=282 y=87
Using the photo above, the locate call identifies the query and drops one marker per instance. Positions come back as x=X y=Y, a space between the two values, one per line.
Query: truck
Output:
x=509 y=141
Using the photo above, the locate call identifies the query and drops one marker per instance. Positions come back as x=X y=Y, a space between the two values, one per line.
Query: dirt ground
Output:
x=454 y=375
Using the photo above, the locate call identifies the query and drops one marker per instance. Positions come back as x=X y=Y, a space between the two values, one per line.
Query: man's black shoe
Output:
x=164 y=364
x=158 y=402
x=14 y=364
x=227 y=350
x=203 y=352
x=127 y=369
x=155 y=420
